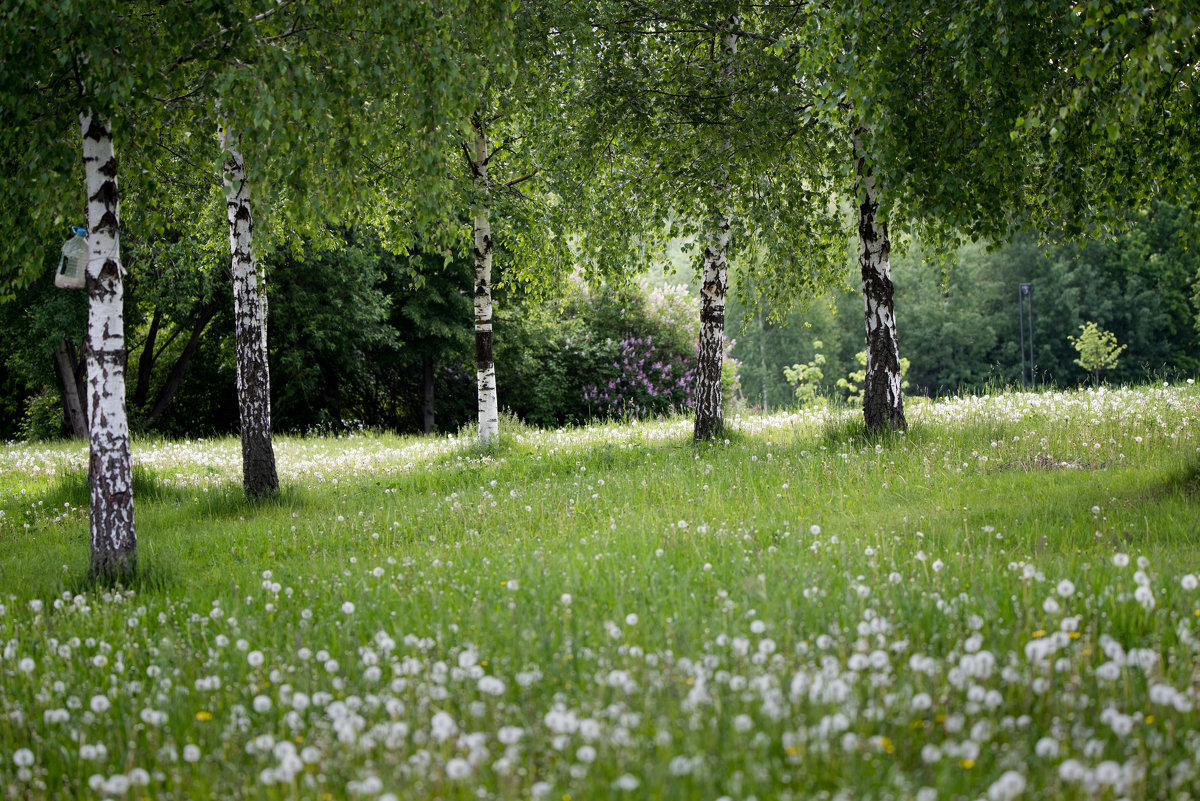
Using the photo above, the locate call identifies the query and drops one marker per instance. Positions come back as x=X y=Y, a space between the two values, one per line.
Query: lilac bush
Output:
x=645 y=380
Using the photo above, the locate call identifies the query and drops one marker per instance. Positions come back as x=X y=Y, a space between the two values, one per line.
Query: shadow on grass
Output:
x=471 y=461
x=151 y=577
x=853 y=432
x=848 y=433
x=1183 y=482
x=223 y=500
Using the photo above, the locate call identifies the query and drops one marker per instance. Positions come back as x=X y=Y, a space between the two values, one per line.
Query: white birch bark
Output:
x=259 y=477
x=110 y=466
x=485 y=367
x=883 y=403
x=710 y=350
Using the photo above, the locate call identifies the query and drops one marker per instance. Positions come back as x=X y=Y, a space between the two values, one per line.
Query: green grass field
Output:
x=1001 y=603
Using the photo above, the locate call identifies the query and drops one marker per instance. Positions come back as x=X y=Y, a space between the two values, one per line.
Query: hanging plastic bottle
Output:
x=72 y=265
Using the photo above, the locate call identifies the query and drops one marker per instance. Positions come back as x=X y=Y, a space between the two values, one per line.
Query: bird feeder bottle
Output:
x=72 y=265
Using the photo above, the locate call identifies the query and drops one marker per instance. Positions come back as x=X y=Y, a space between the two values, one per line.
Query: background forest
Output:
x=357 y=331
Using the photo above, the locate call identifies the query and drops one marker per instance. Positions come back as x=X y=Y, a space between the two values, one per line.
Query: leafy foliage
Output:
x=1098 y=349
x=852 y=383
x=807 y=378
x=668 y=132
x=958 y=320
x=43 y=419
x=611 y=351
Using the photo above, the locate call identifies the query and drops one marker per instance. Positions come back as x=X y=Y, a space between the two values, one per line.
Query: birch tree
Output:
x=259 y=476
x=74 y=71
x=110 y=465
x=485 y=368
x=978 y=119
x=65 y=78
x=345 y=72
x=708 y=412
x=698 y=114
x=502 y=160
x=487 y=151
x=923 y=145
x=883 y=402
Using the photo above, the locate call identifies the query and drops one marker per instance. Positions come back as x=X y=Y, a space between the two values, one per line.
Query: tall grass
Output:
x=1000 y=602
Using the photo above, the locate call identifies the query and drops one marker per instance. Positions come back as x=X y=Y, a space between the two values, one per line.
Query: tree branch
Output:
x=522 y=179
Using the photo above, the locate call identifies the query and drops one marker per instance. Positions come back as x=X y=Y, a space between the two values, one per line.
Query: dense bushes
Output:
x=355 y=332
x=356 y=335
x=600 y=353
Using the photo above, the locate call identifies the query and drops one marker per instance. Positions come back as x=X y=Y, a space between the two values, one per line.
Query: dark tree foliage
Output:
x=37 y=320
x=353 y=330
x=13 y=395
x=430 y=306
x=612 y=351
x=327 y=315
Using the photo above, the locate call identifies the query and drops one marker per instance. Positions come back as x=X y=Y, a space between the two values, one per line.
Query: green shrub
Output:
x=807 y=378
x=43 y=417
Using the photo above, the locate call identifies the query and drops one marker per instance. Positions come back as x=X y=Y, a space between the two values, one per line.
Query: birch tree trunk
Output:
x=883 y=404
x=64 y=361
x=710 y=350
x=250 y=334
x=485 y=368
x=110 y=466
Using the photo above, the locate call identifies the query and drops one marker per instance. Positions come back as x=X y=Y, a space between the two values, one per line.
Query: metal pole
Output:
x=1032 y=372
x=1026 y=291
x=762 y=355
x=1021 y=319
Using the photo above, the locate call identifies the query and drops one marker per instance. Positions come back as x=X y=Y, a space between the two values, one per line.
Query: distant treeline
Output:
x=958 y=322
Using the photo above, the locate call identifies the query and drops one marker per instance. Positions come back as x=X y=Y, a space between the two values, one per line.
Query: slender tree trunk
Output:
x=250 y=336
x=428 y=371
x=81 y=375
x=175 y=377
x=883 y=403
x=709 y=417
x=110 y=466
x=146 y=362
x=64 y=362
x=485 y=367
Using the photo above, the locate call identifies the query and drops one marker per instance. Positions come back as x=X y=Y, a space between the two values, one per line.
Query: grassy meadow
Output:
x=1001 y=603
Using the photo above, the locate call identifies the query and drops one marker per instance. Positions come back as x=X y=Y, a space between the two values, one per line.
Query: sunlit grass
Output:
x=1001 y=602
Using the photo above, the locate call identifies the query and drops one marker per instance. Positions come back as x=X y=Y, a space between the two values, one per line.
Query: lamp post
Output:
x=1024 y=293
